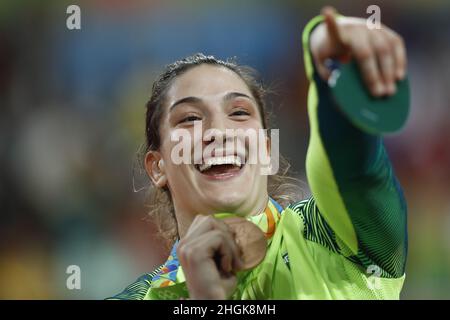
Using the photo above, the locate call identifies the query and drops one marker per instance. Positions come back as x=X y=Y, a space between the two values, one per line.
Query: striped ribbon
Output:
x=171 y=272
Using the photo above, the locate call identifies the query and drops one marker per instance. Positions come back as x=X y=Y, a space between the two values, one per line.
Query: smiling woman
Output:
x=328 y=246
x=228 y=97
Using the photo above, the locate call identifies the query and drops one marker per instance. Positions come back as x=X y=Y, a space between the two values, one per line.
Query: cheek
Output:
x=256 y=124
x=175 y=154
x=178 y=177
x=249 y=133
x=178 y=144
x=166 y=149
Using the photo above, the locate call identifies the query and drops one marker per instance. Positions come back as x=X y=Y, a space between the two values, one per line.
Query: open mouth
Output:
x=221 y=166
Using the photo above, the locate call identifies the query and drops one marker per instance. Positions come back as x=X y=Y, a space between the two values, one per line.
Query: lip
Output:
x=222 y=176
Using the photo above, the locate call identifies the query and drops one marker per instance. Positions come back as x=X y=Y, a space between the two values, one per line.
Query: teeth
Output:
x=234 y=160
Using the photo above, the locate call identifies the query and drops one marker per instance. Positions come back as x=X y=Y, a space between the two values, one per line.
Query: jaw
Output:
x=196 y=193
x=227 y=192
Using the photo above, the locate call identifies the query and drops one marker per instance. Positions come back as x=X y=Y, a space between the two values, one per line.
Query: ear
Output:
x=154 y=165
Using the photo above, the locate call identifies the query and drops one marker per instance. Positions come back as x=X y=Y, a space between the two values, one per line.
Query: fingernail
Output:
x=379 y=89
x=389 y=88
x=392 y=88
x=400 y=74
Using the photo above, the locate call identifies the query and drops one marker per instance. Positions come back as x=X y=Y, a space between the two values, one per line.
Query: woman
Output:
x=347 y=241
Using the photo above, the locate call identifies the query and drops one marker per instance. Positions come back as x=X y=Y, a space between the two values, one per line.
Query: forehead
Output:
x=206 y=80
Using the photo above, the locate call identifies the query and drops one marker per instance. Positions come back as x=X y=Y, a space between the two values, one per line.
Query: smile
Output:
x=220 y=168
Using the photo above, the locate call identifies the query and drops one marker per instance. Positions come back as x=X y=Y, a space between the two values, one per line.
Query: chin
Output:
x=226 y=188
x=226 y=200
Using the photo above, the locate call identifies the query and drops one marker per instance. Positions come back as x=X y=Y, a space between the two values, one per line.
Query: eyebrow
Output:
x=227 y=97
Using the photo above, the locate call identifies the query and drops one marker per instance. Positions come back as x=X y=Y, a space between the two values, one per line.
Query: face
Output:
x=217 y=177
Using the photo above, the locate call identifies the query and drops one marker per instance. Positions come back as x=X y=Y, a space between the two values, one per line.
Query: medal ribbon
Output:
x=169 y=282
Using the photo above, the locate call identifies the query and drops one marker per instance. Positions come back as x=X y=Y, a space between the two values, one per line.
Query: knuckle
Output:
x=398 y=40
x=382 y=47
x=197 y=218
x=210 y=221
x=402 y=41
x=181 y=252
x=371 y=78
x=221 y=225
x=223 y=236
x=206 y=218
x=185 y=251
x=363 y=53
x=218 y=233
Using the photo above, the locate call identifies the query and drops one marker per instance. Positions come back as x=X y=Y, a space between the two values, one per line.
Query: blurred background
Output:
x=72 y=106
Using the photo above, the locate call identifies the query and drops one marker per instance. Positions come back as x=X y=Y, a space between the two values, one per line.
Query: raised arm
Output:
x=352 y=181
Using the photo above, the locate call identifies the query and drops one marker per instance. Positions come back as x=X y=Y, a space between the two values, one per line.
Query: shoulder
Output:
x=138 y=289
x=315 y=227
x=299 y=206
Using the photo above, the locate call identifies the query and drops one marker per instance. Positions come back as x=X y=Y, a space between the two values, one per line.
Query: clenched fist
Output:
x=210 y=259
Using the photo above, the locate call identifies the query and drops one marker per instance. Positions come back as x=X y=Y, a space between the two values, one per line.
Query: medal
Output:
x=249 y=238
x=374 y=115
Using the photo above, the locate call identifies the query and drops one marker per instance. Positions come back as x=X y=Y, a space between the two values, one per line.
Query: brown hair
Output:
x=281 y=187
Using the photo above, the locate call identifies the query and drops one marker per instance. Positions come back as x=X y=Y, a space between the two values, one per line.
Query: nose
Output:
x=217 y=130
x=218 y=122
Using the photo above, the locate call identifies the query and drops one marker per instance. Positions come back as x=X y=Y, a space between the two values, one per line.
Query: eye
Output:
x=190 y=119
x=240 y=113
